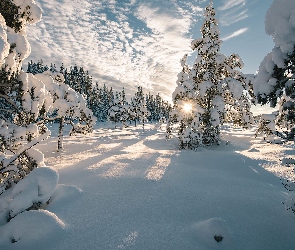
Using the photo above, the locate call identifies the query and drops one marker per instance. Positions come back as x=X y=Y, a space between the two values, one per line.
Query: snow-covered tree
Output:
x=137 y=103
x=68 y=106
x=23 y=99
x=266 y=125
x=119 y=112
x=157 y=107
x=211 y=92
x=275 y=82
x=37 y=68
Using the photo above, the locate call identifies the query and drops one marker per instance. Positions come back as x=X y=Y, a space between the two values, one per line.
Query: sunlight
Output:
x=187 y=107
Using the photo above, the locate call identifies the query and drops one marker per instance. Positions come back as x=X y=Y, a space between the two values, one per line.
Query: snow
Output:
x=213 y=233
x=133 y=189
x=4 y=45
x=280 y=24
x=37 y=187
x=204 y=86
x=236 y=88
x=30 y=226
x=34 y=10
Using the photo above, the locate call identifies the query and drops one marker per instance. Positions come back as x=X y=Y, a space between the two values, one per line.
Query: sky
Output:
x=127 y=43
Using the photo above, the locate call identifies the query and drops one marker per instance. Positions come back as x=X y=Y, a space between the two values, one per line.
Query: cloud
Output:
x=233 y=11
x=122 y=44
x=234 y=34
x=228 y=4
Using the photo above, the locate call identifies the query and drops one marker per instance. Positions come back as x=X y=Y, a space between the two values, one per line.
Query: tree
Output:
x=67 y=106
x=119 y=112
x=137 y=103
x=23 y=98
x=209 y=91
x=20 y=103
x=275 y=82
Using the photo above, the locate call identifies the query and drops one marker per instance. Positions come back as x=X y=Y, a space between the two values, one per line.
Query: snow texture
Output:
x=4 y=45
x=29 y=226
x=280 y=24
x=140 y=192
x=36 y=188
x=34 y=10
x=213 y=233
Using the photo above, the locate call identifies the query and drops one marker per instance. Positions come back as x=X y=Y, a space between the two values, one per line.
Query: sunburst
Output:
x=187 y=107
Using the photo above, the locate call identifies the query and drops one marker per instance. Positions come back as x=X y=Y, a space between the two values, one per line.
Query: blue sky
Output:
x=126 y=43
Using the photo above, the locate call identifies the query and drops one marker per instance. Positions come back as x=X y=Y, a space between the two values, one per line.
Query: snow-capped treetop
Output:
x=16 y=14
x=276 y=68
x=29 y=11
x=280 y=24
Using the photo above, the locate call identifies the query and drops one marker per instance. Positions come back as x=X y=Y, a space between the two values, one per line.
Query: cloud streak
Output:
x=228 y=4
x=235 y=34
x=233 y=11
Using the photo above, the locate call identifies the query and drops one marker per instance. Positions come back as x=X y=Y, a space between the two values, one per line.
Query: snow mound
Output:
x=213 y=233
x=30 y=226
x=62 y=195
x=36 y=188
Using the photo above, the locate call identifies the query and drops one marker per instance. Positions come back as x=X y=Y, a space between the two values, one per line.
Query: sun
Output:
x=187 y=107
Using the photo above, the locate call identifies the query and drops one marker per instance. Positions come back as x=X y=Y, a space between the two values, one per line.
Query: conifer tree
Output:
x=208 y=90
x=136 y=105
x=22 y=97
x=275 y=81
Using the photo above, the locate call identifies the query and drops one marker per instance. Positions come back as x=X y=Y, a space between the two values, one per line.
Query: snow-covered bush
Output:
x=276 y=77
x=32 y=192
x=213 y=87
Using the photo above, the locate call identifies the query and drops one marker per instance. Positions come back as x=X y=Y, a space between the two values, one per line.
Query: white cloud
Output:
x=233 y=11
x=228 y=4
x=234 y=34
x=121 y=44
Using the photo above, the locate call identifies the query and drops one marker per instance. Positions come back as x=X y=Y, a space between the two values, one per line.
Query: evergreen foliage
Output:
x=213 y=87
x=275 y=82
x=21 y=101
x=104 y=102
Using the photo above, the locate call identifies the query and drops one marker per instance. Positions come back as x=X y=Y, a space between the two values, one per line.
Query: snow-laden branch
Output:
x=24 y=148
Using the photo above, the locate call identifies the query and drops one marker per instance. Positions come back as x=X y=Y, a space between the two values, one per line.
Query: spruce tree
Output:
x=209 y=90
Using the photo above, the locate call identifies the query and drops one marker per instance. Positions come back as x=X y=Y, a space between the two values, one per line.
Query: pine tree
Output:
x=207 y=91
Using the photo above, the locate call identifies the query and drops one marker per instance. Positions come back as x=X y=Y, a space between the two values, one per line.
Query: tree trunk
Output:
x=60 y=134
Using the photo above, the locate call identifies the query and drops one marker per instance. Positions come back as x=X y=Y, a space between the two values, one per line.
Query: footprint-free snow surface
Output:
x=133 y=189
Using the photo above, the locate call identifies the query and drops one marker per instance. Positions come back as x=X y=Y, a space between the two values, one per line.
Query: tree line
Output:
x=106 y=103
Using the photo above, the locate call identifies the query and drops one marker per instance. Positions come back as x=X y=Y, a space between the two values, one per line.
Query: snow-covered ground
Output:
x=133 y=189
